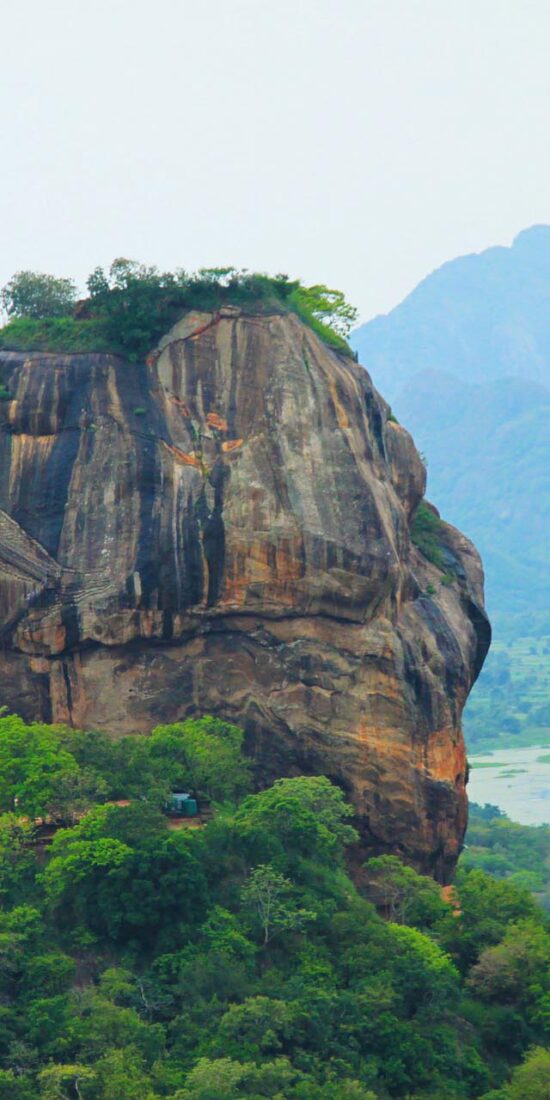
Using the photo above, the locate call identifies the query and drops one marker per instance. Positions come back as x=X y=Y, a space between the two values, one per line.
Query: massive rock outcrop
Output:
x=226 y=529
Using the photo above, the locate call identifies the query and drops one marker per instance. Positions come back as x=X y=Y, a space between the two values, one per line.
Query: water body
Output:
x=516 y=780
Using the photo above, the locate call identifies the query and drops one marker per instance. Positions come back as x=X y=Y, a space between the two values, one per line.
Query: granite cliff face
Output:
x=225 y=530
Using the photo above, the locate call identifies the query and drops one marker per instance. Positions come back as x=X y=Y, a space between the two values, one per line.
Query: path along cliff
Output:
x=225 y=529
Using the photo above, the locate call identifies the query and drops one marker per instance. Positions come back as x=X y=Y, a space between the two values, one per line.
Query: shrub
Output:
x=425 y=533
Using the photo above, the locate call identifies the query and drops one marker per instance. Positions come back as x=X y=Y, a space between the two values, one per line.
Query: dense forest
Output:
x=229 y=953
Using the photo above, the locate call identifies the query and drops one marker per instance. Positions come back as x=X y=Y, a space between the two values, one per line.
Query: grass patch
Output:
x=426 y=532
x=493 y=764
x=54 y=334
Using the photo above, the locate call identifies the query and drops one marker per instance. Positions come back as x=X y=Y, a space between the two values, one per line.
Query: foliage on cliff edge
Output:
x=131 y=306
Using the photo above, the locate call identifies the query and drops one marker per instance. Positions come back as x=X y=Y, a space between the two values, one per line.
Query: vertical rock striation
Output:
x=226 y=529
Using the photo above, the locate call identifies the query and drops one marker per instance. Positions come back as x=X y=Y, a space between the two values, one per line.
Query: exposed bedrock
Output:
x=226 y=529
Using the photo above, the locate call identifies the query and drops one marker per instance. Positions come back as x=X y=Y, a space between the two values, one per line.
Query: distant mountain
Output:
x=465 y=362
x=481 y=317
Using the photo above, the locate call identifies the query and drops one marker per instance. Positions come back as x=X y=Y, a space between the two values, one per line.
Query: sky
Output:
x=359 y=143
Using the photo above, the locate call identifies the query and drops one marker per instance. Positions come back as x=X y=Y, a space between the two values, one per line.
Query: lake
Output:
x=516 y=780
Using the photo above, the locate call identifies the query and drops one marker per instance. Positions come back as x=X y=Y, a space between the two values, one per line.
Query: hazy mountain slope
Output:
x=488 y=453
x=465 y=361
x=480 y=317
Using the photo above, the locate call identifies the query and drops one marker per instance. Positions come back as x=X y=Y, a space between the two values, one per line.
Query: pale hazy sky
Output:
x=355 y=142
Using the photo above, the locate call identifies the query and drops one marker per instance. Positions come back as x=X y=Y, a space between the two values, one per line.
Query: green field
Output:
x=486 y=764
x=510 y=704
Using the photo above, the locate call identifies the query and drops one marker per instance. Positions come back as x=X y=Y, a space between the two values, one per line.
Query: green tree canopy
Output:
x=487 y=906
x=32 y=766
x=204 y=754
x=303 y=817
x=407 y=897
x=328 y=307
x=531 y=1080
x=35 y=295
x=273 y=903
x=119 y=874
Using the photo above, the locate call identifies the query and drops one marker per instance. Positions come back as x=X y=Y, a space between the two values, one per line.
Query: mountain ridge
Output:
x=502 y=290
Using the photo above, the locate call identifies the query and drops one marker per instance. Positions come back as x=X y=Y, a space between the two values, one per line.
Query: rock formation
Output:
x=225 y=529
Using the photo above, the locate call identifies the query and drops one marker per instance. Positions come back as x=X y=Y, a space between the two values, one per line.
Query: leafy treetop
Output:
x=35 y=295
x=132 y=305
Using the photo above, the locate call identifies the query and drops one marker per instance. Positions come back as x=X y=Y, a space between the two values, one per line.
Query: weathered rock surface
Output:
x=225 y=530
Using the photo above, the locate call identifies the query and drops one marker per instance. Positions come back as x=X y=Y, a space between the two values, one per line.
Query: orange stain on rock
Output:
x=341 y=414
x=278 y=567
x=181 y=405
x=445 y=760
x=217 y=422
x=183 y=457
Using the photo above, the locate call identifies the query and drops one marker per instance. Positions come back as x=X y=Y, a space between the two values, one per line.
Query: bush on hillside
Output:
x=425 y=533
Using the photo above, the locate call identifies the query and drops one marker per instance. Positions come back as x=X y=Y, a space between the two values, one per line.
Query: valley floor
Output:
x=517 y=780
